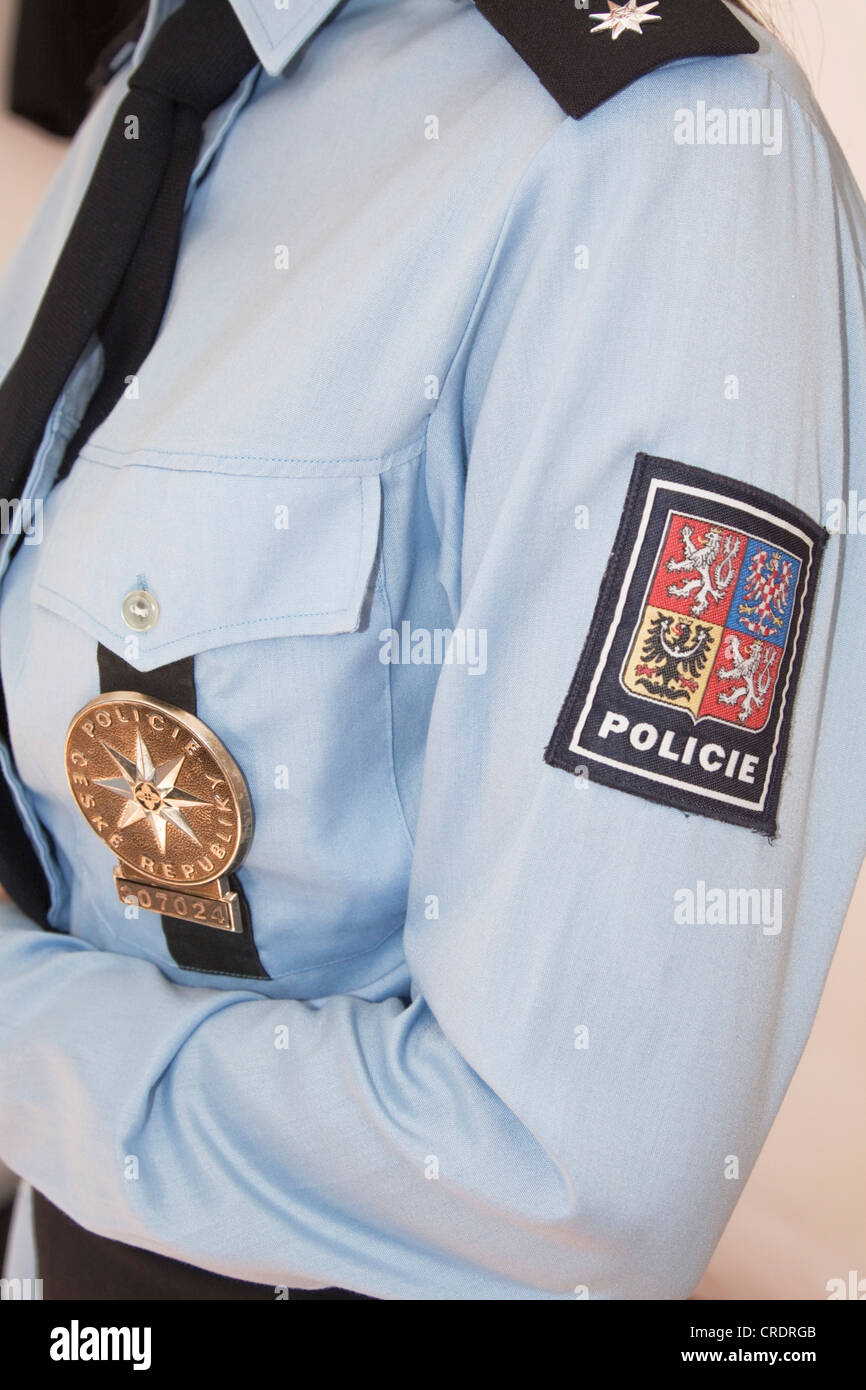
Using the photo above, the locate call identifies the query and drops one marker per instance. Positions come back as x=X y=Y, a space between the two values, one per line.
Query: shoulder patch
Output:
x=685 y=687
x=584 y=54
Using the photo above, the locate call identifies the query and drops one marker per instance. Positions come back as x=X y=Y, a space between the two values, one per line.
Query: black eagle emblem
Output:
x=674 y=654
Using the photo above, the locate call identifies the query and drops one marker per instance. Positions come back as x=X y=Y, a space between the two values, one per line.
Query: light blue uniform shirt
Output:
x=421 y=325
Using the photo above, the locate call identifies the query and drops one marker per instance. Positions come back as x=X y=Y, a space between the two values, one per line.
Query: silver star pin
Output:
x=622 y=17
x=150 y=792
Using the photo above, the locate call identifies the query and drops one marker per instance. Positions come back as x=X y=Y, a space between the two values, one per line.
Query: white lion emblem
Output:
x=755 y=671
x=712 y=575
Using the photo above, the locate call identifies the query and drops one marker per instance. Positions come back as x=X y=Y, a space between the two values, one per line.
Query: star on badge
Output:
x=623 y=17
x=151 y=793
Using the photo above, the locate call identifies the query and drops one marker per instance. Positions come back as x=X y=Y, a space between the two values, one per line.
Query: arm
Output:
x=465 y=1146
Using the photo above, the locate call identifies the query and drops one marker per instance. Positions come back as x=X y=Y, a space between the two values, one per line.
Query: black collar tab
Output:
x=585 y=54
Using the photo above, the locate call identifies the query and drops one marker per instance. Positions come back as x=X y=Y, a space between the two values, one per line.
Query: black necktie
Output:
x=112 y=279
x=114 y=273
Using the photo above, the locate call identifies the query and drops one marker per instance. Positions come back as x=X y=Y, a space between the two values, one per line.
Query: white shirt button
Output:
x=139 y=610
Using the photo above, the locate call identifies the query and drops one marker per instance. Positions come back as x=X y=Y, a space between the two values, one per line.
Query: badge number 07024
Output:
x=160 y=790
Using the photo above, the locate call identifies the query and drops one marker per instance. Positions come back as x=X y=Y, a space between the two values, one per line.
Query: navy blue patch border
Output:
x=606 y=629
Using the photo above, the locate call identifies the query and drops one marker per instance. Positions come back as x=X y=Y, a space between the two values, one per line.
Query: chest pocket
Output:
x=271 y=584
x=227 y=558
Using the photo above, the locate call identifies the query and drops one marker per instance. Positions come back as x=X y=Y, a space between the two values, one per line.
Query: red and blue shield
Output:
x=685 y=686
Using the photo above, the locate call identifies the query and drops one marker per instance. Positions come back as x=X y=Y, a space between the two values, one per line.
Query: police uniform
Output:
x=432 y=698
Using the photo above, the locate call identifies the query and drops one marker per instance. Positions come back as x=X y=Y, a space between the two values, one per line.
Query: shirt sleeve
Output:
x=574 y=1097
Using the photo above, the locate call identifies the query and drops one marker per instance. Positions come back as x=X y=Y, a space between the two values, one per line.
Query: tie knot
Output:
x=197 y=56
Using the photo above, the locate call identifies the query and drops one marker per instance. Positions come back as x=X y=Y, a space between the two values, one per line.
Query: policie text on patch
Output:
x=684 y=690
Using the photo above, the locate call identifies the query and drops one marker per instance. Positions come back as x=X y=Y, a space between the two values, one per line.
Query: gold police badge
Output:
x=161 y=790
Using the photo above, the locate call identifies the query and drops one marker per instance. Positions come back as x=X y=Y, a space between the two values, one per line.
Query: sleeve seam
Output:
x=828 y=142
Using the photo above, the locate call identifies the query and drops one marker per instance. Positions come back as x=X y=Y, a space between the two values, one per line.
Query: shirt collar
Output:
x=277 y=33
x=276 y=29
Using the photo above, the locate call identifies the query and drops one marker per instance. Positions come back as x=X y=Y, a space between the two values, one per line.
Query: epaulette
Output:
x=584 y=53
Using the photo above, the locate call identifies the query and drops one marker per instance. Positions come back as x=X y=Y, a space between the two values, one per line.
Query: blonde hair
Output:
x=761 y=11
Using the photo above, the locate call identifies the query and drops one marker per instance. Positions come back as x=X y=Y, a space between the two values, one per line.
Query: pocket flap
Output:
x=227 y=558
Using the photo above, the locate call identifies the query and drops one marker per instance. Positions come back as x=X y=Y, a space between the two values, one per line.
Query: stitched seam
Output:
x=362 y=535
x=395 y=455
x=228 y=627
x=486 y=276
x=201 y=631
x=342 y=960
x=838 y=191
x=482 y=288
x=288 y=36
x=389 y=712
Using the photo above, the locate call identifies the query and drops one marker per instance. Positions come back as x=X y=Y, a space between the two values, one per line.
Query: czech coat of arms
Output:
x=714 y=626
x=685 y=685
